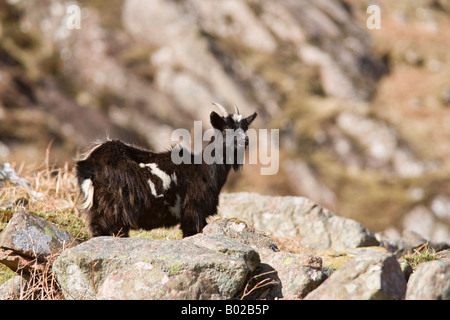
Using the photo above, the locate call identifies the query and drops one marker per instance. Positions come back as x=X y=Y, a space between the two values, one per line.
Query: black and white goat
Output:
x=126 y=187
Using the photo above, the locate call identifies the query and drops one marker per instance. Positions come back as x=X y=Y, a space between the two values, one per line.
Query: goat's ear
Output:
x=250 y=118
x=216 y=121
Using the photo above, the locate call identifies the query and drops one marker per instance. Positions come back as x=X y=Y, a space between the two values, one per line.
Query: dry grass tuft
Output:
x=424 y=253
x=40 y=284
x=52 y=195
x=259 y=285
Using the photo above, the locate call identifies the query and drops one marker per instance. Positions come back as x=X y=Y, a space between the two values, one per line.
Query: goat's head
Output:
x=233 y=128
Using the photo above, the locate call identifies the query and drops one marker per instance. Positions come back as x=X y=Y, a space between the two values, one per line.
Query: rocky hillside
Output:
x=257 y=247
x=228 y=260
x=356 y=108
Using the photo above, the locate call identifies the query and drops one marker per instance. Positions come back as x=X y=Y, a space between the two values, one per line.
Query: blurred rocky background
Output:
x=364 y=115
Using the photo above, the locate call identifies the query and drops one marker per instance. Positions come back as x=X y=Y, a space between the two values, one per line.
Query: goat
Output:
x=126 y=187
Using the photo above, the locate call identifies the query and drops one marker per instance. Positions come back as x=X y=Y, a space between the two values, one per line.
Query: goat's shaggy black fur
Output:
x=126 y=187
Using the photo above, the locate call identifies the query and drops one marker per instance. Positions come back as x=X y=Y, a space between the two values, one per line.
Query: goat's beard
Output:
x=238 y=160
x=233 y=159
x=232 y=154
x=239 y=154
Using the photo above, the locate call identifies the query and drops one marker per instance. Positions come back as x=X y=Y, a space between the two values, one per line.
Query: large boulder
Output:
x=133 y=268
x=317 y=227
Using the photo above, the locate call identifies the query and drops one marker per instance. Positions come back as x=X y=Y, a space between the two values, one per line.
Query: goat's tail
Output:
x=86 y=186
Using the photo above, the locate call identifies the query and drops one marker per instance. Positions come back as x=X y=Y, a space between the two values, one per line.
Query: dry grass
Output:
x=52 y=195
x=39 y=284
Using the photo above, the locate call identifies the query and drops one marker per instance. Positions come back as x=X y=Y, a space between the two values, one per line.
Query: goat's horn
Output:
x=236 y=108
x=222 y=109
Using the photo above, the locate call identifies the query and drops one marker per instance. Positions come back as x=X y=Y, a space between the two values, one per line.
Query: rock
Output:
x=308 y=186
x=7 y=173
x=138 y=282
x=429 y=222
x=430 y=281
x=406 y=268
x=318 y=228
x=400 y=243
x=441 y=206
x=28 y=237
x=133 y=268
x=366 y=277
x=333 y=260
x=340 y=62
x=238 y=230
x=336 y=259
x=12 y=288
x=444 y=255
x=383 y=148
x=180 y=46
x=280 y=274
x=296 y=274
x=224 y=245
x=406 y=242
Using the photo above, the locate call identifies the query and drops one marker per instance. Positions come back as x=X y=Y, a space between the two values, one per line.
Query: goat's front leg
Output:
x=192 y=221
x=100 y=225
x=96 y=230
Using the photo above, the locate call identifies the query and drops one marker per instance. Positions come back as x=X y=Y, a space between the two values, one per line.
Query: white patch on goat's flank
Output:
x=165 y=178
x=88 y=189
x=237 y=117
x=176 y=209
x=153 y=189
